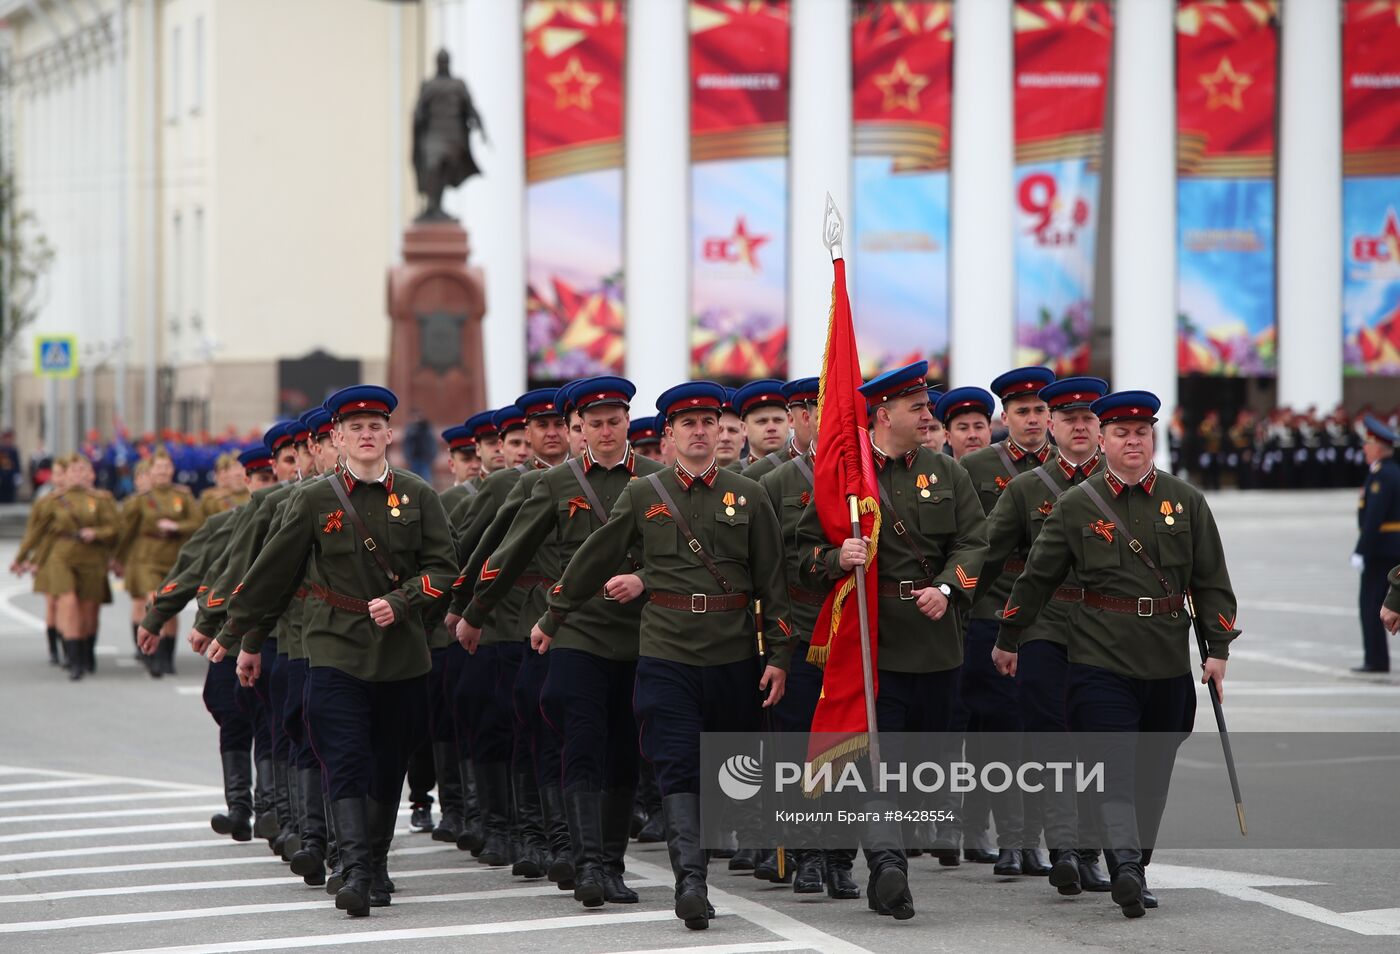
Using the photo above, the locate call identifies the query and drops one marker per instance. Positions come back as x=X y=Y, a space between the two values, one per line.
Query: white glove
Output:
x=1358 y=562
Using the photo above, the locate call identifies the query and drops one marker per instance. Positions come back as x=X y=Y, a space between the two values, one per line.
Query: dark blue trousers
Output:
x=300 y=754
x=1137 y=777
x=1042 y=671
x=441 y=725
x=364 y=732
x=455 y=662
x=1373 y=635
x=221 y=699
x=277 y=702
x=484 y=698
x=587 y=703
x=794 y=711
x=536 y=744
x=675 y=702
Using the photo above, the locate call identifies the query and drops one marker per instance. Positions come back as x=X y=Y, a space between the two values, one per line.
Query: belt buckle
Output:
x=699 y=602
x=906 y=589
x=1148 y=602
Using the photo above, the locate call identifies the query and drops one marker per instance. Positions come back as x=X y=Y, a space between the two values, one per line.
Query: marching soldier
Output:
x=729 y=444
x=155 y=525
x=592 y=660
x=935 y=436
x=33 y=554
x=711 y=544
x=228 y=491
x=1139 y=541
x=1378 y=547
x=966 y=414
x=373 y=548
x=1039 y=661
x=930 y=555
x=801 y=403
x=645 y=438
x=763 y=410
x=1390 y=610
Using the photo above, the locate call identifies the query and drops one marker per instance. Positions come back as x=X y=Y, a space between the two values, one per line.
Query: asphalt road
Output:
x=106 y=787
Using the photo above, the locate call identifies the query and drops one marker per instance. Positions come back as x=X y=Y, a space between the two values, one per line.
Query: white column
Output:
x=1144 y=202
x=1310 y=205
x=656 y=235
x=820 y=163
x=150 y=182
x=981 y=254
x=492 y=207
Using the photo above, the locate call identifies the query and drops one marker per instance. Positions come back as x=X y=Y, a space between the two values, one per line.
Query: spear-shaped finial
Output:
x=833 y=229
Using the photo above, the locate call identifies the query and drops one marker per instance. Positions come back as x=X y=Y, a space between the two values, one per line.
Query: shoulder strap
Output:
x=523 y=468
x=588 y=492
x=774 y=457
x=470 y=488
x=363 y=531
x=690 y=541
x=801 y=464
x=1044 y=475
x=1005 y=455
x=1133 y=543
x=901 y=531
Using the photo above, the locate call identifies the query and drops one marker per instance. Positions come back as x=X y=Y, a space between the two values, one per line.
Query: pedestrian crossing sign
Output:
x=56 y=356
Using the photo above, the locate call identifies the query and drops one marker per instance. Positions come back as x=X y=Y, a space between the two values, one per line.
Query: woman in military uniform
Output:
x=33 y=557
x=229 y=488
x=82 y=523
x=155 y=524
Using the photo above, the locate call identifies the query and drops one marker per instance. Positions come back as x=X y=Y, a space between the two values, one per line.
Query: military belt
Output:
x=902 y=589
x=528 y=581
x=1142 y=606
x=1014 y=565
x=701 y=602
x=800 y=595
x=339 y=600
x=1069 y=594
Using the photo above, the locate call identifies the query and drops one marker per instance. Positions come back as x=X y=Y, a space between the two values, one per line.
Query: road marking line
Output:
x=122 y=849
x=122 y=797
x=1287 y=662
x=1257 y=690
x=52 y=783
x=189 y=690
x=755 y=947
x=175 y=865
x=324 y=904
x=129 y=780
x=63 y=834
x=788 y=928
x=119 y=813
x=20 y=615
x=182 y=886
x=415 y=934
x=1312 y=609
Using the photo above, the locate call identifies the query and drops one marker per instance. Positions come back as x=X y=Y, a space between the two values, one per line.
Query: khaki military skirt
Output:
x=85 y=577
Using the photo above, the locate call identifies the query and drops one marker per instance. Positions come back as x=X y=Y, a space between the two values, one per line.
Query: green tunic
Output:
x=185 y=580
x=556 y=519
x=990 y=476
x=746 y=545
x=1392 y=598
x=945 y=519
x=1184 y=544
x=790 y=491
x=317 y=540
x=1012 y=527
x=226 y=572
x=766 y=464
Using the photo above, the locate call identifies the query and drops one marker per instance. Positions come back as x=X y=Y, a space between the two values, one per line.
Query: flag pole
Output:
x=833 y=231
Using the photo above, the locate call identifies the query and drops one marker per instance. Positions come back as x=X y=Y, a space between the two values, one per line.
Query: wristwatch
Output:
x=945 y=590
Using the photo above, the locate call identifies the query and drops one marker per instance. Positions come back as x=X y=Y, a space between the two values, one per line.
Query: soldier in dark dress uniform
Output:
x=1378 y=546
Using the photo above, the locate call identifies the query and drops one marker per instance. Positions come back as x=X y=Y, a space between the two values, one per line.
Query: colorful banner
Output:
x=1371 y=186
x=1062 y=50
x=574 y=72
x=902 y=70
x=1226 y=76
x=739 y=65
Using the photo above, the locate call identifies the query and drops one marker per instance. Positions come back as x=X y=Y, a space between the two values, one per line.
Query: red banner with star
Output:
x=1226 y=98
x=1062 y=52
x=574 y=91
x=902 y=75
x=1371 y=186
x=739 y=76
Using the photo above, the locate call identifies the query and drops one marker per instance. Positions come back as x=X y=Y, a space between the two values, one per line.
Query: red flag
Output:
x=844 y=469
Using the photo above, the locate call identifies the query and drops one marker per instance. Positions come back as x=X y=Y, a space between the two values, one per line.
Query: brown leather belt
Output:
x=701 y=602
x=799 y=595
x=300 y=593
x=1014 y=565
x=339 y=600
x=1142 y=606
x=902 y=589
x=1070 y=594
x=528 y=581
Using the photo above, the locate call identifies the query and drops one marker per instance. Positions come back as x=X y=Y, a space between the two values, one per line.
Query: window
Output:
x=197 y=68
x=173 y=81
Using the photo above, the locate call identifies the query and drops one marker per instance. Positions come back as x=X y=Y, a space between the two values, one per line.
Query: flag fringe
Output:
x=839 y=756
x=818 y=655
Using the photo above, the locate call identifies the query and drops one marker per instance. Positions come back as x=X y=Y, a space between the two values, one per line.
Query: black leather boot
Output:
x=237 y=821
x=56 y=654
x=73 y=655
x=449 y=786
x=1149 y=900
x=1064 y=873
x=839 y=883
x=1128 y=881
x=585 y=810
x=653 y=831
x=335 y=879
x=809 y=877
x=1033 y=862
x=617 y=819
x=310 y=861
x=559 y=857
x=351 y=820
x=470 y=838
x=529 y=826
x=383 y=818
x=888 y=891
x=981 y=856
x=286 y=817
x=266 y=825
x=745 y=859
x=1008 y=862
x=1091 y=874
x=90 y=652
x=166 y=653
x=493 y=789
x=688 y=861
x=653 y=823
x=774 y=865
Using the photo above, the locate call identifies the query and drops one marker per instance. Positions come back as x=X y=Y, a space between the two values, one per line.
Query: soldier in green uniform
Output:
x=710 y=544
x=1040 y=661
x=1390 y=610
x=373 y=548
x=768 y=418
x=729 y=444
x=932 y=544
x=592 y=662
x=32 y=557
x=1138 y=540
x=155 y=524
x=228 y=490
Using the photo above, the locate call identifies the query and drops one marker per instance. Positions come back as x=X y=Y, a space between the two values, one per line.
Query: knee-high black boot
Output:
x=310 y=860
x=585 y=810
x=493 y=790
x=264 y=807
x=449 y=786
x=559 y=856
x=471 y=837
x=351 y=820
x=617 y=818
x=689 y=862
x=238 y=796
x=529 y=823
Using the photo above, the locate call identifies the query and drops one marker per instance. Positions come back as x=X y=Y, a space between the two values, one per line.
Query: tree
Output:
x=25 y=255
